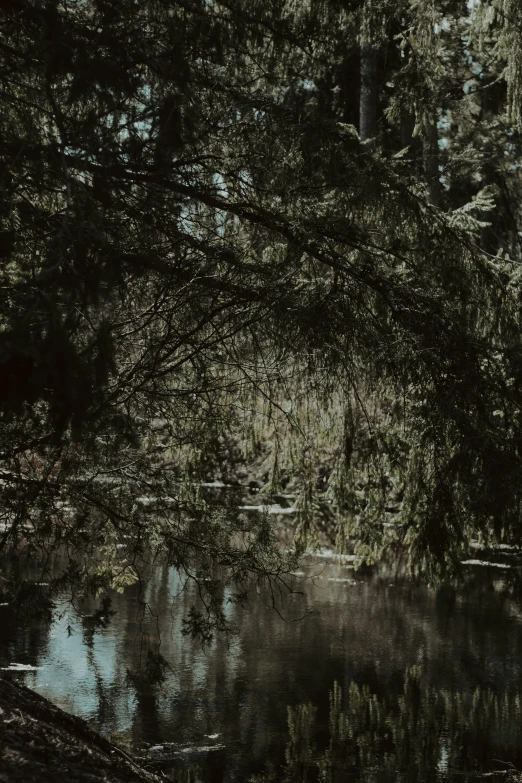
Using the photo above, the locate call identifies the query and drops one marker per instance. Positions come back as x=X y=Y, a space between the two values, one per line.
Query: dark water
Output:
x=384 y=681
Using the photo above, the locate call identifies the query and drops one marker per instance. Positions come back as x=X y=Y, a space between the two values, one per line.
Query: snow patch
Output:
x=20 y=667
x=331 y=555
x=485 y=563
x=495 y=547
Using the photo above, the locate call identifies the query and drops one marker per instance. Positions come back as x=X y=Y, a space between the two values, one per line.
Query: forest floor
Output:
x=39 y=743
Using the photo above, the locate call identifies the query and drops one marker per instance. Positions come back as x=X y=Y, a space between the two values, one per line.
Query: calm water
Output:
x=384 y=681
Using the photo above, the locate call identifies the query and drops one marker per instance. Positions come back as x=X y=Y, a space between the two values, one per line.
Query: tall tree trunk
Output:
x=431 y=163
x=406 y=129
x=488 y=239
x=368 y=101
x=488 y=235
x=369 y=92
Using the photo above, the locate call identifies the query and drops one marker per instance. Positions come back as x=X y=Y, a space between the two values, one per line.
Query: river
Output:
x=382 y=680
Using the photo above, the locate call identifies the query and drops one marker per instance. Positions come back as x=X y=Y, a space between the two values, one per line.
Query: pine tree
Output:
x=190 y=223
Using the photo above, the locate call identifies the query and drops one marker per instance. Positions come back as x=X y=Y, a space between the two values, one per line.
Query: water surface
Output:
x=382 y=680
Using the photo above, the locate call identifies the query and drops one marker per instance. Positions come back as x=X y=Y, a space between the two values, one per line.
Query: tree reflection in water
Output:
x=391 y=722
x=422 y=734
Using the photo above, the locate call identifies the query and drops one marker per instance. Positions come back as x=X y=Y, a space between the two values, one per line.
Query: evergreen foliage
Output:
x=195 y=238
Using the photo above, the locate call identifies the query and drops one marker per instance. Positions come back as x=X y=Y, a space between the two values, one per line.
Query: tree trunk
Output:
x=431 y=164
x=406 y=130
x=488 y=235
x=368 y=101
x=488 y=238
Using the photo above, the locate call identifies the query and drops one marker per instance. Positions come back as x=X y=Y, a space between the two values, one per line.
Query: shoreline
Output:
x=40 y=743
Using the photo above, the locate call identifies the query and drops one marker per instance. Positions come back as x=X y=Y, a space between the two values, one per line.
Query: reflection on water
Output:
x=423 y=733
x=384 y=681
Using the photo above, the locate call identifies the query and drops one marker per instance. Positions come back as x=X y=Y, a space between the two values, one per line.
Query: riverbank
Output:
x=39 y=743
